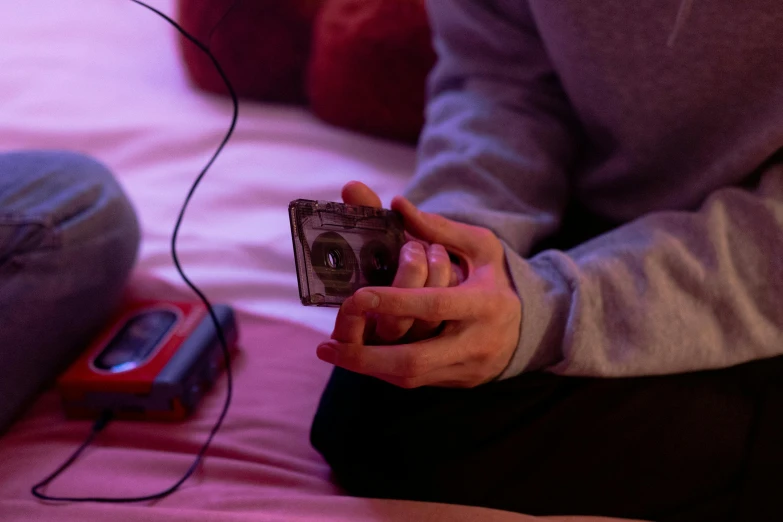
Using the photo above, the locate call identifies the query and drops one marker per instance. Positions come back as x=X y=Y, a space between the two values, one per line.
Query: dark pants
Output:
x=702 y=446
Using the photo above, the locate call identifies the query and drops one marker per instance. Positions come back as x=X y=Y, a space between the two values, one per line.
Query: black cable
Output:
x=106 y=416
x=96 y=428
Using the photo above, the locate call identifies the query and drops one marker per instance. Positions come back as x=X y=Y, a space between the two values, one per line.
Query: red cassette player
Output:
x=154 y=362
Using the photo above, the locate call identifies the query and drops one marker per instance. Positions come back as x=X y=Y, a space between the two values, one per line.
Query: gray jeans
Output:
x=68 y=241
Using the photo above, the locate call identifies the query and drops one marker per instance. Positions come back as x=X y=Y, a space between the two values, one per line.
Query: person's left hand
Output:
x=482 y=315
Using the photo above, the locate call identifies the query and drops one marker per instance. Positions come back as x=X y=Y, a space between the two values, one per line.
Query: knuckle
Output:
x=413 y=261
x=482 y=359
x=440 y=306
x=439 y=268
x=487 y=242
x=439 y=261
x=438 y=254
x=397 y=306
x=419 y=270
x=411 y=365
x=495 y=303
x=352 y=360
x=391 y=330
x=348 y=309
x=485 y=364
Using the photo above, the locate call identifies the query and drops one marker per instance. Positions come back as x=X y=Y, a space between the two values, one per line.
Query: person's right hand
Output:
x=421 y=265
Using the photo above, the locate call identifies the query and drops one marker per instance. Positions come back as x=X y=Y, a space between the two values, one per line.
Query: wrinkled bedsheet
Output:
x=102 y=77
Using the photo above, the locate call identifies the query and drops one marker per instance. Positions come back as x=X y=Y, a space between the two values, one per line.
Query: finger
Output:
x=439 y=274
x=411 y=273
x=433 y=228
x=457 y=275
x=428 y=304
x=433 y=362
x=410 y=237
x=454 y=376
x=350 y=324
x=407 y=361
x=438 y=267
x=357 y=193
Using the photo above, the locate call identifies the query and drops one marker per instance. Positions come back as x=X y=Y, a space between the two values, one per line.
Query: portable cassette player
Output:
x=154 y=362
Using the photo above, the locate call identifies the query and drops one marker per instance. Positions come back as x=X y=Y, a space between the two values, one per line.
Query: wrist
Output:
x=544 y=300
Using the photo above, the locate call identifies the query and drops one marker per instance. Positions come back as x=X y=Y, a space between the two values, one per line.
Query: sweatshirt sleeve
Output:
x=499 y=137
x=671 y=292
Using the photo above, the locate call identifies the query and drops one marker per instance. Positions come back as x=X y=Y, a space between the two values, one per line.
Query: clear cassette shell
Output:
x=340 y=248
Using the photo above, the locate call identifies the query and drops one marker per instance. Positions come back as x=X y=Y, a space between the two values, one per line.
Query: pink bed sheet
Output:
x=103 y=77
x=260 y=466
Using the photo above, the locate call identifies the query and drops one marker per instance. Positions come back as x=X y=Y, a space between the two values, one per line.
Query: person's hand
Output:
x=421 y=265
x=482 y=315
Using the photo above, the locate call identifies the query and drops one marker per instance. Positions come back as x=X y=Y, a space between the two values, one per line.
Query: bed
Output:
x=104 y=78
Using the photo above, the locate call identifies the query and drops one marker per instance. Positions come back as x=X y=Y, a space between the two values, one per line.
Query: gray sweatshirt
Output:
x=664 y=117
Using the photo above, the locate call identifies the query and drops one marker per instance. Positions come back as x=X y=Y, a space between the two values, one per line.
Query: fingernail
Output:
x=415 y=245
x=326 y=353
x=367 y=300
x=439 y=249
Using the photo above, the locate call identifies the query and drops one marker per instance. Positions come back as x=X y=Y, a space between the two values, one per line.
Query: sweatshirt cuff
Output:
x=545 y=295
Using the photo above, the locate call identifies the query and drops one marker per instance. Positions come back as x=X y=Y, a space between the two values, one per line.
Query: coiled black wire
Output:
x=106 y=417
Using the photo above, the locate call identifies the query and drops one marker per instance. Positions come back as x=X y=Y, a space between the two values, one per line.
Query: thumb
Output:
x=433 y=228
x=357 y=193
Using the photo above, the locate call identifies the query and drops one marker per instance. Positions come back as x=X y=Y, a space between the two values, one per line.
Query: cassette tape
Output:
x=340 y=248
x=154 y=362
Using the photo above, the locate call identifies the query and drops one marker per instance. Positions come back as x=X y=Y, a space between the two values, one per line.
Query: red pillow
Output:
x=262 y=45
x=369 y=66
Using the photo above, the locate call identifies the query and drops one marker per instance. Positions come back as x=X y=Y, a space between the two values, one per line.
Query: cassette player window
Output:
x=136 y=341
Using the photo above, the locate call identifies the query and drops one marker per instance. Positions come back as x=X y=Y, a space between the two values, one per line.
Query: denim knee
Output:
x=68 y=241
x=65 y=200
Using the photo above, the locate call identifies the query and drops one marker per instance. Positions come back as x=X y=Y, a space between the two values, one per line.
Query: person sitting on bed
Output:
x=609 y=176
x=68 y=241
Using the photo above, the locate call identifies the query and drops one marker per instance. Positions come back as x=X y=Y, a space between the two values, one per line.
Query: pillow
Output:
x=262 y=45
x=369 y=66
